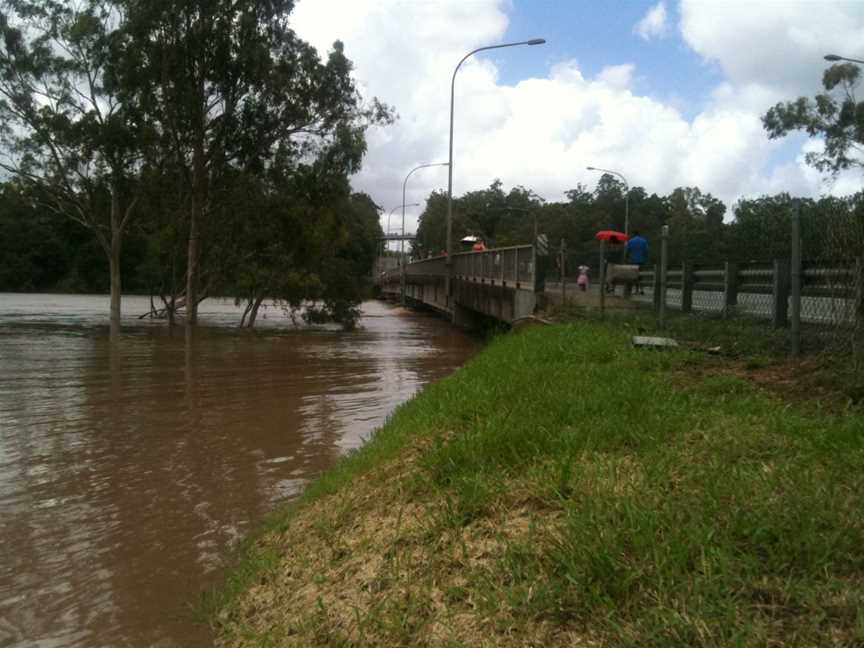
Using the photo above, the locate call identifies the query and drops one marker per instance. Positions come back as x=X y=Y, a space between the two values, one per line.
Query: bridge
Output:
x=499 y=283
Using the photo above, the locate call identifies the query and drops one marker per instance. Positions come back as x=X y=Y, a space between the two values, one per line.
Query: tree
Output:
x=65 y=127
x=695 y=222
x=297 y=235
x=232 y=88
x=33 y=255
x=835 y=116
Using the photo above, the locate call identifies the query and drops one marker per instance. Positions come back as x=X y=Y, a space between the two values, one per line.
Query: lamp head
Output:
x=536 y=41
x=833 y=57
x=591 y=169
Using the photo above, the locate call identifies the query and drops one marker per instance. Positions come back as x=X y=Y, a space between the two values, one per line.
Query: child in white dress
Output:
x=582 y=281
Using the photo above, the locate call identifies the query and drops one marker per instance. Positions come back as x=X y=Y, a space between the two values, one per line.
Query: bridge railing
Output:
x=433 y=266
x=509 y=266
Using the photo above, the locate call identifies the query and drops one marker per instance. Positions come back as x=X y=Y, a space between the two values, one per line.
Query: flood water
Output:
x=128 y=470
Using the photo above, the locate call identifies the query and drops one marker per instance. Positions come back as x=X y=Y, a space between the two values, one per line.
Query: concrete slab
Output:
x=654 y=342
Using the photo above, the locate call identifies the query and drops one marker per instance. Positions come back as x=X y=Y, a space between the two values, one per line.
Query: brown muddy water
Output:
x=128 y=470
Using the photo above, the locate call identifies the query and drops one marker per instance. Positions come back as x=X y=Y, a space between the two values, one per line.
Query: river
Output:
x=127 y=470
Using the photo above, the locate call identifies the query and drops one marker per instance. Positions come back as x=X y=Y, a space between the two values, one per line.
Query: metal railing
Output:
x=431 y=267
x=509 y=266
x=831 y=291
x=513 y=267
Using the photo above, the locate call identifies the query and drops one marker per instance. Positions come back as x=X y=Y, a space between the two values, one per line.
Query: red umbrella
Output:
x=611 y=235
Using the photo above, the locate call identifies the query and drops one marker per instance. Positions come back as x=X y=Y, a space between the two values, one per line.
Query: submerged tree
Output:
x=234 y=90
x=297 y=235
x=66 y=129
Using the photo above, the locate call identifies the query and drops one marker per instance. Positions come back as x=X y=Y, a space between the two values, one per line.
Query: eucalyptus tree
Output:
x=835 y=116
x=65 y=127
x=297 y=235
x=234 y=89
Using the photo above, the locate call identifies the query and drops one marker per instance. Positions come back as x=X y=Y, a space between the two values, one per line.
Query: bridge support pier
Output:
x=465 y=317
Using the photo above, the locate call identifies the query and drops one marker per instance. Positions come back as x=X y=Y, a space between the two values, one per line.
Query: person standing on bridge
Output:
x=478 y=246
x=582 y=280
x=637 y=254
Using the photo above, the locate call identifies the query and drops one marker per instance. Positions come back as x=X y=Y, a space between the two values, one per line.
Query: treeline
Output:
x=701 y=228
x=253 y=251
x=198 y=146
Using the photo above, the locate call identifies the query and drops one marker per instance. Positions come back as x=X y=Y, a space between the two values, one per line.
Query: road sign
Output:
x=542 y=244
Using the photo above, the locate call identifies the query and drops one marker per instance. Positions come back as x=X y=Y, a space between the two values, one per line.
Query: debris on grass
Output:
x=654 y=342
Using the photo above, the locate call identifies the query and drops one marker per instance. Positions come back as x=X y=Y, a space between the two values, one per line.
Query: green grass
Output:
x=663 y=512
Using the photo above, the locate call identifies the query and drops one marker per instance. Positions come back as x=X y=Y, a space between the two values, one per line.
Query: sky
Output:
x=667 y=93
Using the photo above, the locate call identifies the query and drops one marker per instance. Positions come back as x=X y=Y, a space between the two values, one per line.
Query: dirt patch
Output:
x=810 y=382
x=380 y=565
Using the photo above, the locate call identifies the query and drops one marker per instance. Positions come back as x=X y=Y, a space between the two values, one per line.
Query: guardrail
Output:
x=508 y=266
x=832 y=291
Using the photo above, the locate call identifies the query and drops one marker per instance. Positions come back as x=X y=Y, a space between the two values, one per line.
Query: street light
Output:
x=626 y=197
x=393 y=210
x=402 y=242
x=533 y=41
x=405 y=184
x=834 y=58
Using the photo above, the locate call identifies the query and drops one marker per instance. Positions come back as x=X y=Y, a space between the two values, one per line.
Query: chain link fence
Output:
x=804 y=272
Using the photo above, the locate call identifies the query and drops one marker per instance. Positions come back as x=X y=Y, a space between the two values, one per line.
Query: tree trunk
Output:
x=193 y=251
x=171 y=306
x=254 y=312
x=246 y=311
x=114 y=251
x=114 y=266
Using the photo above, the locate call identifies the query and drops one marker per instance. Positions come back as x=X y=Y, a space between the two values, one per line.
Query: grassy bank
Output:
x=567 y=489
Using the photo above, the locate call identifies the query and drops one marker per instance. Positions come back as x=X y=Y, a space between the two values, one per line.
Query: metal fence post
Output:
x=602 y=278
x=540 y=263
x=730 y=286
x=858 y=341
x=780 y=293
x=563 y=273
x=795 y=275
x=686 y=287
x=664 y=264
x=655 y=287
x=403 y=281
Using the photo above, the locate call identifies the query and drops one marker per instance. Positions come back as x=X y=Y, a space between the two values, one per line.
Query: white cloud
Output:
x=653 y=24
x=774 y=44
x=617 y=76
x=542 y=132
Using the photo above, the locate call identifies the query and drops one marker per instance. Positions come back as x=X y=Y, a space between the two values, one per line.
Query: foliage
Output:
x=498 y=218
x=228 y=133
x=834 y=115
x=64 y=126
x=234 y=91
x=699 y=230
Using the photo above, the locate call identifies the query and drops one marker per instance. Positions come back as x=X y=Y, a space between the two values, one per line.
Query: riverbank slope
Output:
x=565 y=488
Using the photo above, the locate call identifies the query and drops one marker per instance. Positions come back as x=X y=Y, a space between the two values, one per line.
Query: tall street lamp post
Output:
x=402 y=242
x=533 y=41
x=405 y=184
x=626 y=196
x=391 y=213
x=834 y=58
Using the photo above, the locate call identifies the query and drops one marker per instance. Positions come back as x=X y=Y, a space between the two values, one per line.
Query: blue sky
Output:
x=680 y=107
x=598 y=34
